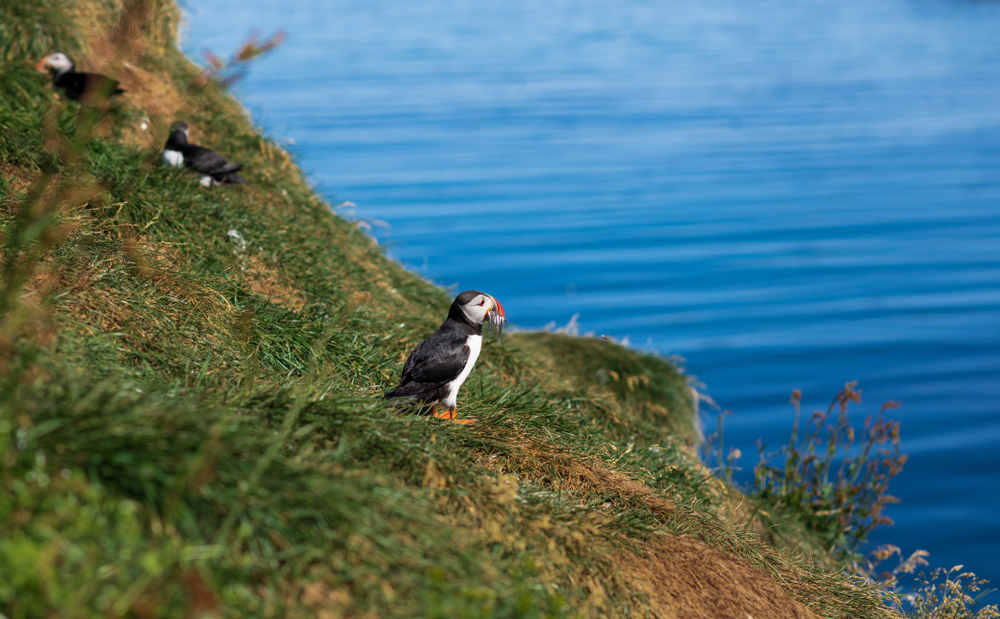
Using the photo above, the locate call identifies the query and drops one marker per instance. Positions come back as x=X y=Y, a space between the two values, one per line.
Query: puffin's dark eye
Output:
x=483 y=302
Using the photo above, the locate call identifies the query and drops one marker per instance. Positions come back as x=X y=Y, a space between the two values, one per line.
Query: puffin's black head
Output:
x=179 y=131
x=56 y=64
x=473 y=307
x=178 y=135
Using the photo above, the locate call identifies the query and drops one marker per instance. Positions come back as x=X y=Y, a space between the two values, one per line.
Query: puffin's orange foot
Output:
x=451 y=416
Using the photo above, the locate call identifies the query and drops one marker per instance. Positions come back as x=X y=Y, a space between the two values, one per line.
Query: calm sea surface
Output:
x=788 y=194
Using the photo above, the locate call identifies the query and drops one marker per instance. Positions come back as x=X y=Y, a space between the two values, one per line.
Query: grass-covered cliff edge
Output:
x=190 y=412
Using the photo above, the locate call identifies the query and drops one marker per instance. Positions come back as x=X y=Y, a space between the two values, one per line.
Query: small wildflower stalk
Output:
x=871 y=568
x=844 y=503
x=714 y=447
x=955 y=598
x=228 y=72
x=950 y=599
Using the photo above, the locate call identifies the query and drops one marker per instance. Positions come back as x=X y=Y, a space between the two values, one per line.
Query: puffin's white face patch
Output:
x=477 y=308
x=484 y=309
x=58 y=62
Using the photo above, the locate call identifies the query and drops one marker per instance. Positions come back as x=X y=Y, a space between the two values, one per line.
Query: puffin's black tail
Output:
x=231 y=178
x=407 y=397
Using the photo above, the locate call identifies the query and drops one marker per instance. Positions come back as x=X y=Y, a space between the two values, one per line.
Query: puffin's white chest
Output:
x=475 y=344
x=173 y=158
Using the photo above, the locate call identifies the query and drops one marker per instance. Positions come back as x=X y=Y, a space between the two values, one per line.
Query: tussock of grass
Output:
x=190 y=405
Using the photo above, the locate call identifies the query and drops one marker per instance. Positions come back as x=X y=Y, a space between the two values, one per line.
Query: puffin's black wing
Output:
x=436 y=361
x=207 y=161
x=78 y=85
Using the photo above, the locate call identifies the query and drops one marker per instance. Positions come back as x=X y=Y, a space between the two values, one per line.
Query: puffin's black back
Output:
x=440 y=358
x=77 y=85
x=207 y=161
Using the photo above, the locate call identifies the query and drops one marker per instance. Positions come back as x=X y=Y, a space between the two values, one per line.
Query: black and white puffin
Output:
x=436 y=369
x=212 y=166
x=77 y=85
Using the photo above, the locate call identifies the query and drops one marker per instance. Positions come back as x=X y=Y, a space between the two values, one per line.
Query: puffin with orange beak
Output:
x=436 y=369
x=77 y=85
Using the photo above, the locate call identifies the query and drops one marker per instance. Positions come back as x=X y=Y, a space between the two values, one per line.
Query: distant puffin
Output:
x=436 y=369
x=213 y=167
x=76 y=85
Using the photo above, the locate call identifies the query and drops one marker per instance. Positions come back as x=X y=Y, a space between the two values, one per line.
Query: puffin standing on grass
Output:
x=212 y=166
x=77 y=85
x=436 y=369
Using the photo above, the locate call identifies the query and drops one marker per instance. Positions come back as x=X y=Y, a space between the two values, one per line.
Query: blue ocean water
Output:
x=789 y=195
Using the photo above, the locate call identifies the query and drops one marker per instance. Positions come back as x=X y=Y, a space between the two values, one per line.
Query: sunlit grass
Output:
x=190 y=398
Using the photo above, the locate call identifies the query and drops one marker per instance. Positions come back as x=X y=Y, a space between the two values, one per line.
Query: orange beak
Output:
x=498 y=308
x=41 y=65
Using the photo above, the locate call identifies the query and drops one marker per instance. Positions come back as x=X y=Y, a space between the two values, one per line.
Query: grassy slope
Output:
x=190 y=425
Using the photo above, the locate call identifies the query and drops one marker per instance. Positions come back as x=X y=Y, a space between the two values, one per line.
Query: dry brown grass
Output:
x=126 y=28
x=117 y=48
x=676 y=576
x=670 y=577
x=18 y=178
x=265 y=280
x=683 y=579
x=37 y=323
x=157 y=97
x=31 y=317
x=98 y=304
x=551 y=466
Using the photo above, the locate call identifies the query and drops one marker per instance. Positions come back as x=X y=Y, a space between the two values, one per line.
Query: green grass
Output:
x=35 y=29
x=189 y=425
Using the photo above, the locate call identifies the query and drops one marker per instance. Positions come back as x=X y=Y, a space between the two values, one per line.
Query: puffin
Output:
x=212 y=166
x=437 y=367
x=77 y=85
